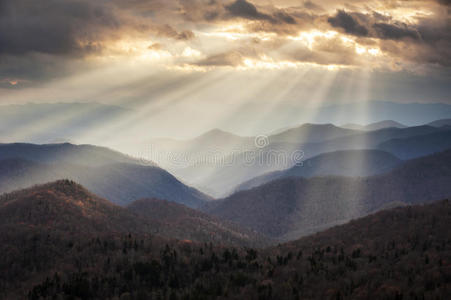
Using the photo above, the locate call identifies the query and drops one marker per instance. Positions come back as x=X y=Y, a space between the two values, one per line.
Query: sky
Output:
x=206 y=63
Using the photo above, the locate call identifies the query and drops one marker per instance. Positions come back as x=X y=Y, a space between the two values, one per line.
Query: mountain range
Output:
x=220 y=177
x=375 y=126
x=111 y=175
x=60 y=241
x=352 y=163
x=290 y=207
x=358 y=213
x=65 y=206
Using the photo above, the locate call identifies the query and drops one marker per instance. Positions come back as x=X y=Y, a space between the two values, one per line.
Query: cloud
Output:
x=44 y=39
x=425 y=41
x=244 y=9
x=349 y=23
x=394 y=32
x=247 y=10
x=232 y=58
x=312 y=6
x=444 y=2
x=54 y=27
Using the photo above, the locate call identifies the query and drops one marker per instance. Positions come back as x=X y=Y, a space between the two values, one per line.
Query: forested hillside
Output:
x=396 y=254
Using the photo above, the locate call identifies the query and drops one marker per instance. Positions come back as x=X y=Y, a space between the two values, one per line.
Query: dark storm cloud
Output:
x=394 y=32
x=348 y=23
x=244 y=9
x=370 y=25
x=74 y=27
x=426 y=41
x=285 y=17
x=312 y=6
x=433 y=45
x=41 y=39
x=444 y=2
x=247 y=10
x=382 y=27
x=54 y=27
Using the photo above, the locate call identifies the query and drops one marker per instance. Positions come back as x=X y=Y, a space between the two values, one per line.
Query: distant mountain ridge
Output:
x=351 y=163
x=440 y=123
x=417 y=146
x=291 y=207
x=310 y=133
x=410 y=114
x=88 y=155
x=221 y=179
x=112 y=175
x=375 y=126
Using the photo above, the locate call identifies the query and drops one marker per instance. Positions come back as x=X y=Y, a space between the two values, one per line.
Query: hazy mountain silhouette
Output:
x=310 y=133
x=369 y=140
x=220 y=177
x=352 y=163
x=215 y=139
x=375 y=126
x=291 y=207
x=411 y=114
x=88 y=155
x=440 y=123
x=109 y=174
x=420 y=145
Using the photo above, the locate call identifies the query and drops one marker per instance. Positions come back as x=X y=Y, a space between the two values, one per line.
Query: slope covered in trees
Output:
x=396 y=254
x=291 y=207
x=67 y=207
x=173 y=220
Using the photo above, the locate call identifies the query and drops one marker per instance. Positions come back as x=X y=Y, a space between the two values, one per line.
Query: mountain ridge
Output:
x=119 y=180
x=351 y=163
x=289 y=207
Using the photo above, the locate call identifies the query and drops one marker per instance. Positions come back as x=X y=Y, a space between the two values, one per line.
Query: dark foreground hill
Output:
x=107 y=173
x=292 y=207
x=404 y=253
x=66 y=207
x=177 y=221
x=350 y=163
